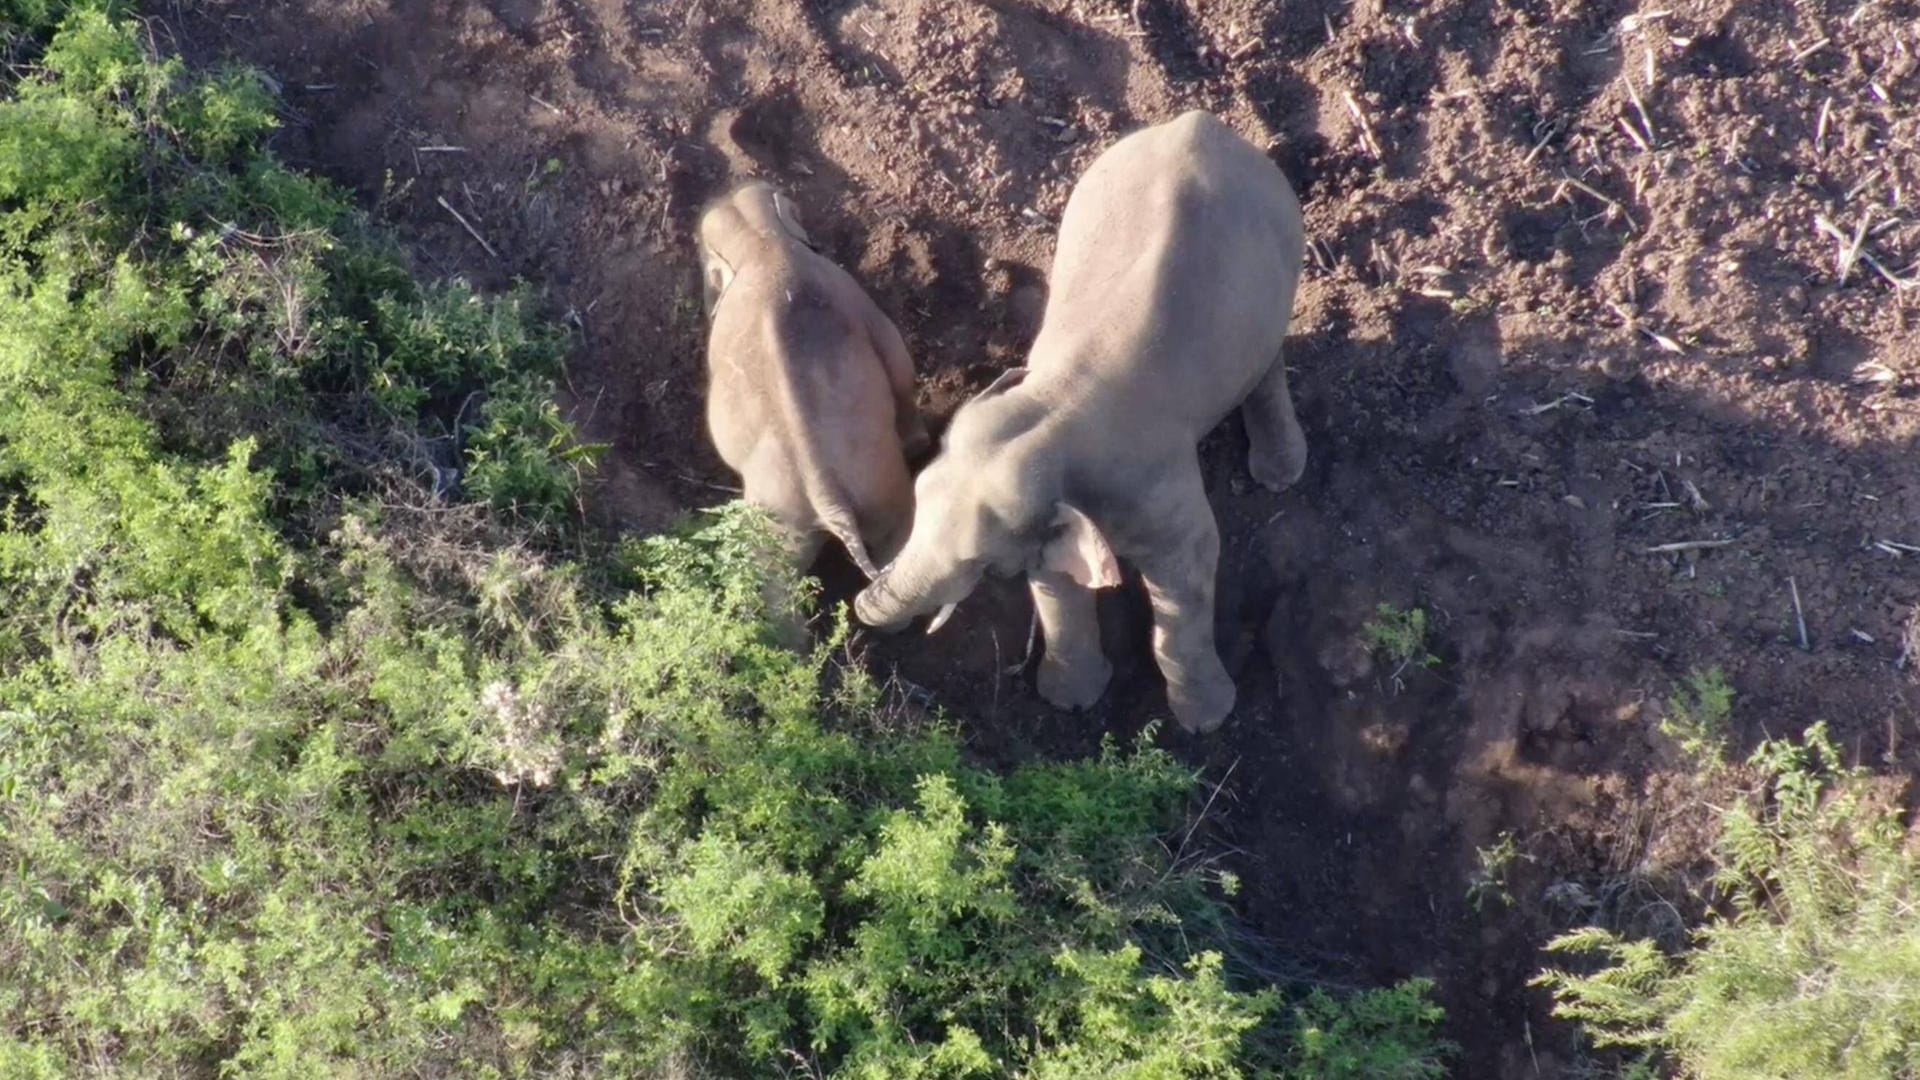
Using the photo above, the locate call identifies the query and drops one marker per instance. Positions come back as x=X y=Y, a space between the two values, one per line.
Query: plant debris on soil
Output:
x=1605 y=352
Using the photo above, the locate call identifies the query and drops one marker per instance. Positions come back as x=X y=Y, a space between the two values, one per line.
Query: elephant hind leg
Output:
x=798 y=539
x=1180 y=566
x=1277 y=448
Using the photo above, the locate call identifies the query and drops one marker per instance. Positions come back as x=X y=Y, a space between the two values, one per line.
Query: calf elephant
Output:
x=810 y=392
x=1171 y=288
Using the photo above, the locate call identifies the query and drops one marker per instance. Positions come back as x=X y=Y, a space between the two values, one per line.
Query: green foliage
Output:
x=1489 y=880
x=1400 y=636
x=296 y=781
x=1699 y=717
x=591 y=839
x=1386 y=1034
x=1815 y=973
x=41 y=16
x=148 y=240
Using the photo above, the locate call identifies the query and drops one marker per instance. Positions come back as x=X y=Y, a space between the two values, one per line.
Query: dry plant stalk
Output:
x=1366 y=129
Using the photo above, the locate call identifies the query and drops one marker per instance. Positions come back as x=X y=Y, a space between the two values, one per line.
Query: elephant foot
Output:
x=1074 y=684
x=1278 y=465
x=1201 y=704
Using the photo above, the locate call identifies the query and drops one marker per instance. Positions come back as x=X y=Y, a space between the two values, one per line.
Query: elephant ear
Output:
x=1079 y=551
x=716 y=275
x=1006 y=380
x=789 y=216
x=719 y=275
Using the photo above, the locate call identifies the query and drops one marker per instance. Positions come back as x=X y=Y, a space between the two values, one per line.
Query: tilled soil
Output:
x=1586 y=279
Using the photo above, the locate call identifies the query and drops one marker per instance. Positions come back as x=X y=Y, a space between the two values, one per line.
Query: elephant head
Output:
x=736 y=221
x=992 y=501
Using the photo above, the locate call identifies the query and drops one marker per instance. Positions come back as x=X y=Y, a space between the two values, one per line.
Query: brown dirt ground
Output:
x=1567 y=300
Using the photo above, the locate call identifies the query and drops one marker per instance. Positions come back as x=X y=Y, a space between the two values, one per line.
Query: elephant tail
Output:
x=835 y=518
x=805 y=400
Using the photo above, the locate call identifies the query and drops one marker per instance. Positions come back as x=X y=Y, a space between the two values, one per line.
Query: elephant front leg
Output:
x=1073 y=671
x=1180 y=583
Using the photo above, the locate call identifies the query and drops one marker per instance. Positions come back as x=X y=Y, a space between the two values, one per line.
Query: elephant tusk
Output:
x=940 y=619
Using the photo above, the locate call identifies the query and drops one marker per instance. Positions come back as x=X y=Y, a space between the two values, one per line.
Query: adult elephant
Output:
x=1172 y=284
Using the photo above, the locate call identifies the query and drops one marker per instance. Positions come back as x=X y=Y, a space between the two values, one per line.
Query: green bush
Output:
x=299 y=778
x=1813 y=974
x=1385 y=1034
x=573 y=838
x=1699 y=717
x=150 y=242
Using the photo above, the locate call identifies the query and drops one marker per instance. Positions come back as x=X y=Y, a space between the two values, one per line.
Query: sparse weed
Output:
x=1400 y=636
x=1489 y=881
x=544 y=173
x=1474 y=303
x=1699 y=717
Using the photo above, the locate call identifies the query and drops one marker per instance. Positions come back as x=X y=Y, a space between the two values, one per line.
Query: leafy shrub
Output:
x=1400 y=635
x=150 y=239
x=1815 y=972
x=298 y=780
x=1385 y=1034
x=662 y=840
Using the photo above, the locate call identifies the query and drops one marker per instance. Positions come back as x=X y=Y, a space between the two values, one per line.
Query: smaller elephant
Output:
x=1172 y=283
x=810 y=391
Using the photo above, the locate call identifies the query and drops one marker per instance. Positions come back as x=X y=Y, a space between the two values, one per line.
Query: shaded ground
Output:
x=1568 y=299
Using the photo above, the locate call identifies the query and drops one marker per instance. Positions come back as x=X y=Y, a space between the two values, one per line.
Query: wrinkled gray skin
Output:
x=810 y=392
x=1172 y=284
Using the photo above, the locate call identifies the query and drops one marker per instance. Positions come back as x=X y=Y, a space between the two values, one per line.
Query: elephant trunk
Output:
x=891 y=600
x=877 y=606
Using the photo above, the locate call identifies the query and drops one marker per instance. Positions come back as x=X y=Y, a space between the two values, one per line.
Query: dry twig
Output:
x=1639 y=107
x=1684 y=545
x=1799 y=616
x=465 y=224
x=1556 y=403
x=1851 y=250
x=1552 y=130
x=1366 y=129
x=1808 y=50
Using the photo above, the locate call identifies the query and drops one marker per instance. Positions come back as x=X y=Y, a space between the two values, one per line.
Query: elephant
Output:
x=810 y=397
x=1172 y=283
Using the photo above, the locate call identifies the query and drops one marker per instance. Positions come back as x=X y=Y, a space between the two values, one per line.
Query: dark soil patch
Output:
x=1517 y=247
